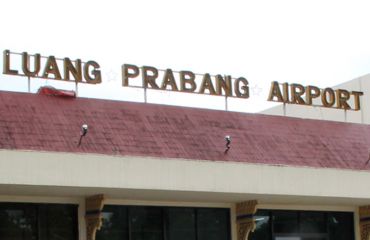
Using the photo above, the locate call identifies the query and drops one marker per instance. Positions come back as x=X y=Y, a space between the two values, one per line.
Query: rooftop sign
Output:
x=185 y=81
x=37 y=66
x=304 y=95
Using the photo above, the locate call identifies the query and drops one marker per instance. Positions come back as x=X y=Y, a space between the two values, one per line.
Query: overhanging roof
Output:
x=46 y=123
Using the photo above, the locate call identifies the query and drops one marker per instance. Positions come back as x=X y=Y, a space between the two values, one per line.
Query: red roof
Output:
x=47 y=123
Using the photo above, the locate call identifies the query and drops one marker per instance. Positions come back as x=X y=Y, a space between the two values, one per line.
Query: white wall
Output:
x=69 y=175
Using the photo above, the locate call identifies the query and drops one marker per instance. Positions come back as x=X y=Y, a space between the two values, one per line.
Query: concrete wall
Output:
x=66 y=174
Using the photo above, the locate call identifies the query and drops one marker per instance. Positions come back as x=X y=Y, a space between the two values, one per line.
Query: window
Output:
x=146 y=223
x=164 y=223
x=263 y=226
x=115 y=224
x=27 y=221
x=312 y=222
x=302 y=225
x=180 y=223
x=212 y=224
x=285 y=222
x=340 y=225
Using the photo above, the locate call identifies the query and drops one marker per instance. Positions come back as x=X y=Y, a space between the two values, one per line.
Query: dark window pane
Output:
x=285 y=221
x=146 y=223
x=149 y=223
x=115 y=225
x=312 y=222
x=213 y=224
x=262 y=231
x=287 y=238
x=180 y=224
x=58 y=221
x=303 y=225
x=28 y=221
x=18 y=222
x=340 y=226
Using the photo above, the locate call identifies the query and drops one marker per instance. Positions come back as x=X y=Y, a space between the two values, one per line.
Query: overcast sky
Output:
x=321 y=43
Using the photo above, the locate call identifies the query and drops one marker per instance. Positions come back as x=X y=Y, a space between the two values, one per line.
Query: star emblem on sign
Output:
x=256 y=90
x=111 y=76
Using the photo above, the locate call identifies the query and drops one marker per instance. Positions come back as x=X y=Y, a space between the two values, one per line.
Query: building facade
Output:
x=144 y=171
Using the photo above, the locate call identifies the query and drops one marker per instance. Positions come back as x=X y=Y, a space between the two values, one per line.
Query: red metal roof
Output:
x=51 y=91
x=47 y=123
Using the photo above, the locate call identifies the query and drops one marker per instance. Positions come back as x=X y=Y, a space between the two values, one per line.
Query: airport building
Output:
x=84 y=169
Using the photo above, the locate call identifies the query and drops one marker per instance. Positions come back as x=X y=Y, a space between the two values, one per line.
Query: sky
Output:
x=321 y=43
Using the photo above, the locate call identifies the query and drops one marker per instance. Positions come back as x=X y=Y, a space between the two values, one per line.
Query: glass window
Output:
x=263 y=227
x=115 y=224
x=303 y=225
x=180 y=224
x=340 y=226
x=18 y=222
x=58 y=221
x=285 y=221
x=213 y=224
x=164 y=223
x=314 y=238
x=27 y=221
x=146 y=223
x=289 y=238
x=312 y=222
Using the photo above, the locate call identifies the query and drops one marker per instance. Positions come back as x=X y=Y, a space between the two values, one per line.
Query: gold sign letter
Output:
x=149 y=79
x=6 y=68
x=324 y=99
x=187 y=77
x=224 y=84
x=311 y=92
x=51 y=67
x=169 y=79
x=26 y=65
x=207 y=84
x=126 y=73
x=297 y=90
x=241 y=91
x=357 y=95
x=342 y=98
x=95 y=72
x=75 y=70
x=275 y=92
